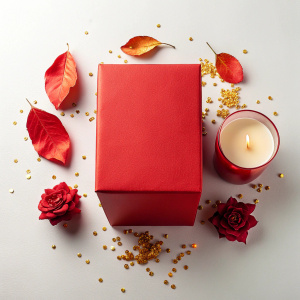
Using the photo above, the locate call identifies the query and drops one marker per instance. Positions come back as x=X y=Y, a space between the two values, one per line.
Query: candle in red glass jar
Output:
x=246 y=143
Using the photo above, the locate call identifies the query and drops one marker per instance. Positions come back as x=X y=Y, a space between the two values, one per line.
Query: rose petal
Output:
x=55 y=221
x=76 y=210
x=231 y=201
x=252 y=221
x=216 y=220
x=62 y=210
x=43 y=216
x=250 y=208
x=48 y=191
x=76 y=199
x=242 y=238
x=71 y=206
x=230 y=237
x=69 y=198
x=221 y=230
x=222 y=208
x=221 y=235
x=50 y=215
x=224 y=223
x=242 y=205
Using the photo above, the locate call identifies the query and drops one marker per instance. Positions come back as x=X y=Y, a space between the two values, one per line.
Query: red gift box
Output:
x=149 y=143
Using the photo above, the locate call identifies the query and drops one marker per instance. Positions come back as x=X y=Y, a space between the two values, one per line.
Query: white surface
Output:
x=33 y=34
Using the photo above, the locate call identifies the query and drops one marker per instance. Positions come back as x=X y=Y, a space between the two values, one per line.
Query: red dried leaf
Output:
x=60 y=77
x=228 y=67
x=49 y=137
x=140 y=45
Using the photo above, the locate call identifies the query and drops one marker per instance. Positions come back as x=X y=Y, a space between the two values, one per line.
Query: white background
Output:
x=33 y=34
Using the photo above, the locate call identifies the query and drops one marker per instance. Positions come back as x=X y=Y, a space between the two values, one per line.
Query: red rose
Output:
x=59 y=204
x=233 y=220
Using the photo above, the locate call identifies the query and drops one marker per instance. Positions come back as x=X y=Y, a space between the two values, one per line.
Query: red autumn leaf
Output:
x=49 y=137
x=60 y=77
x=140 y=45
x=228 y=67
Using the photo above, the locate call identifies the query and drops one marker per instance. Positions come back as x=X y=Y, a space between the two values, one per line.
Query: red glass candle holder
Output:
x=228 y=170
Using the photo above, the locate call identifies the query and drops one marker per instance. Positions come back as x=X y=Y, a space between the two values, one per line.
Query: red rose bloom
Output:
x=233 y=220
x=59 y=204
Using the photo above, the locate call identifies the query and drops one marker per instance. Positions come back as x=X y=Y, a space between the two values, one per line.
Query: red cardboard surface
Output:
x=149 y=142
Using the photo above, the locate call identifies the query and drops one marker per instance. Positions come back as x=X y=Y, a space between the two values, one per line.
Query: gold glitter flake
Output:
x=214 y=84
x=118 y=238
x=74 y=104
x=91 y=74
x=188 y=252
x=200 y=207
x=86 y=32
x=185 y=267
x=281 y=175
x=95 y=233
x=38 y=159
x=151 y=273
x=174 y=270
x=170 y=274
x=114 y=239
x=240 y=196
x=87 y=114
x=15 y=161
x=254 y=186
x=11 y=191
x=191 y=39
x=100 y=205
x=75 y=186
x=100 y=280
x=87 y=261
x=270 y=98
x=183 y=246
x=213 y=121
x=168 y=250
x=255 y=201
x=77 y=111
x=104 y=228
x=257 y=101
x=28 y=171
x=259 y=190
x=110 y=51
x=202 y=222
x=147 y=269
x=126 y=266
x=79 y=255
x=132 y=263
x=260 y=185
x=76 y=174
x=267 y=187
x=166 y=282
x=104 y=247
x=173 y=286
x=119 y=56
x=112 y=248
x=275 y=113
x=28 y=176
x=83 y=157
x=65 y=225
x=194 y=245
x=15 y=123
x=53 y=177
x=166 y=236
x=123 y=290
x=125 y=61
x=25 y=138
x=119 y=243
x=95 y=111
x=72 y=115
x=34 y=102
x=158 y=25
x=62 y=113
x=91 y=119
x=21 y=111
x=207 y=201
x=53 y=247
x=245 y=51
x=84 y=195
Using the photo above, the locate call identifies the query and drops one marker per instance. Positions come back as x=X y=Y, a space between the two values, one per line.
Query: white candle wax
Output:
x=234 y=144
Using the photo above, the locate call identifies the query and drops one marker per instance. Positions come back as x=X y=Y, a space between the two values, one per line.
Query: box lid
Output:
x=149 y=128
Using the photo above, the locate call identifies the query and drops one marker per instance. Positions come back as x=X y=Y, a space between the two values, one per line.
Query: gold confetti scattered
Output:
x=104 y=228
x=76 y=174
x=270 y=98
x=183 y=246
x=95 y=111
x=11 y=191
x=79 y=254
x=158 y=25
x=91 y=74
x=255 y=201
x=240 y=196
x=132 y=263
x=53 y=177
x=188 y=252
x=200 y=207
x=86 y=32
x=100 y=280
x=202 y=222
x=125 y=61
x=15 y=161
x=257 y=101
x=87 y=114
x=281 y=175
x=245 y=51
x=25 y=138
x=110 y=51
x=28 y=171
x=28 y=176
x=260 y=185
x=100 y=205
x=62 y=113
x=91 y=119
x=185 y=267
x=114 y=239
x=173 y=286
x=77 y=111
x=84 y=195
x=21 y=111
x=74 y=104
x=119 y=56
x=151 y=273
x=96 y=95
x=157 y=260
x=83 y=157
x=118 y=238
x=207 y=201
x=53 y=247
x=147 y=269
x=174 y=270
x=213 y=121
x=72 y=115
x=95 y=233
x=259 y=190
x=113 y=248
x=123 y=290
x=101 y=63
x=168 y=250
x=15 y=123
x=203 y=83
x=38 y=159
x=254 y=186
x=65 y=225
x=126 y=266
x=194 y=245
x=87 y=261
x=170 y=274
x=104 y=247
x=191 y=39
x=244 y=106
x=166 y=236
x=267 y=187
x=214 y=84
x=34 y=102
x=275 y=113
